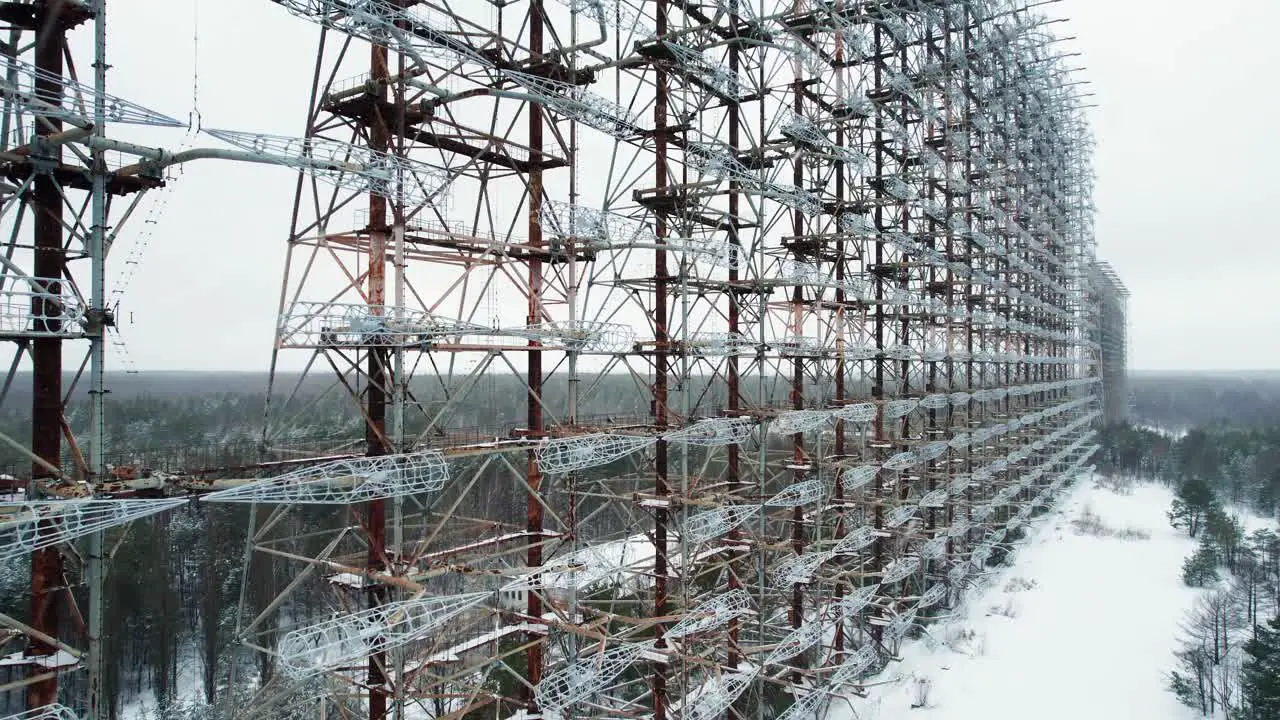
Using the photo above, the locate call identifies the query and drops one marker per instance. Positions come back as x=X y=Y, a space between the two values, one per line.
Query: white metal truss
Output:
x=934 y=498
x=29 y=526
x=900 y=570
x=806 y=707
x=714 y=75
x=853 y=603
x=347 y=481
x=712 y=432
x=32 y=307
x=710 y=524
x=320 y=324
x=46 y=712
x=26 y=86
x=858 y=476
x=712 y=613
x=580 y=335
x=719 y=344
x=856 y=539
x=853 y=667
x=580 y=104
x=799 y=421
x=803 y=493
x=902 y=461
x=416 y=31
x=599 y=229
x=796 y=642
x=345 y=165
x=857 y=412
x=563 y=455
x=899 y=515
x=589 y=676
x=899 y=625
x=716 y=695
x=798 y=569
x=936 y=593
x=347 y=640
x=935 y=548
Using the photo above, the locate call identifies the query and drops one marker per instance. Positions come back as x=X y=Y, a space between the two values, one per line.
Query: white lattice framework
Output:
x=708 y=525
x=345 y=165
x=713 y=432
x=713 y=74
x=579 y=681
x=46 y=712
x=587 y=451
x=416 y=31
x=30 y=526
x=33 y=307
x=855 y=665
x=712 y=613
x=347 y=640
x=804 y=493
x=796 y=642
x=857 y=412
x=900 y=570
x=27 y=86
x=799 y=421
x=855 y=478
x=580 y=335
x=806 y=707
x=321 y=324
x=580 y=104
x=715 y=697
x=347 y=481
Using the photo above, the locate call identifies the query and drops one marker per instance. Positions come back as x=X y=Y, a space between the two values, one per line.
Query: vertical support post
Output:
x=838 y=448
x=536 y=428
x=46 y=352
x=797 y=370
x=97 y=331
x=733 y=476
x=660 y=361
x=878 y=319
x=378 y=382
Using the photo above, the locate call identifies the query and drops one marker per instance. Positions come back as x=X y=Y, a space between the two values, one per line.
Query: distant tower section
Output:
x=1112 y=336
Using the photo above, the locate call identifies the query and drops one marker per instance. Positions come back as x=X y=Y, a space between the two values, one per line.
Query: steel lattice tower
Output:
x=842 y=250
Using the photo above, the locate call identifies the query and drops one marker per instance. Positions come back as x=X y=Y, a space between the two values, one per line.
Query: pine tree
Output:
x=1201 y=567
x=1191 y=504
x=1260 y=674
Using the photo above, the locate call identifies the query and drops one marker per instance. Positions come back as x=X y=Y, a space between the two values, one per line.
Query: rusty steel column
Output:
x=733 y=472
x=533 y=655
x=877 y=387
x=797 y=378
x=378 y=381
x=46 y=355
x=838 y=448
x=660 y=361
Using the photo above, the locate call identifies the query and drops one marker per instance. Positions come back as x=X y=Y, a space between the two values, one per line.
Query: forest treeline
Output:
x=219 y=420
x=1178 y=401
x=176 y=409
x=1228 y=661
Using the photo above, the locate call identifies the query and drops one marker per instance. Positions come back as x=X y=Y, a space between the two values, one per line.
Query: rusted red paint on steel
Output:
x=46 y=361
x=732 y=460
x=533 y=655
x=660 y=361
x=375 y=393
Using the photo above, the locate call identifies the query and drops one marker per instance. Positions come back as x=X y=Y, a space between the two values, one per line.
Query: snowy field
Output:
x=1082 y=626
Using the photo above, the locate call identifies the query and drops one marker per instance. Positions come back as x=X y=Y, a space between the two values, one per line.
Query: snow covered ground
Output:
x=1081 y=626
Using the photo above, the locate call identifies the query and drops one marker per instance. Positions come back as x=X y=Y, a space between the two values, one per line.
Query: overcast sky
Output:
x=1185 y=120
